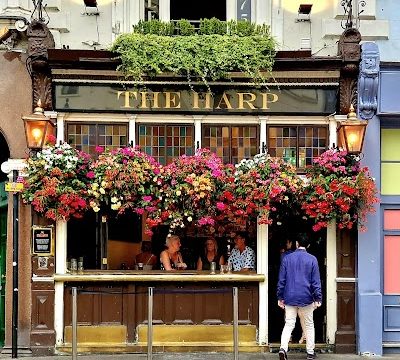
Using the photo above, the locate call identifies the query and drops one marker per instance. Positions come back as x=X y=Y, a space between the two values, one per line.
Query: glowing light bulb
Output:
x=36 y=134
x=352 y=140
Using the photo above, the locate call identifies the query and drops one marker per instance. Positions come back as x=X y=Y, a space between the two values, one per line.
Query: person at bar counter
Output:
x=299 y=293
x=242 y=257
x=146 y=257
x=171 y=258
x=210 y=255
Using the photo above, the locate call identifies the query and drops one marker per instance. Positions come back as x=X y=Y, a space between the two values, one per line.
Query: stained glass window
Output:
x=166 y=142
x=297 y=145
x=86 y=137
x=231 y=143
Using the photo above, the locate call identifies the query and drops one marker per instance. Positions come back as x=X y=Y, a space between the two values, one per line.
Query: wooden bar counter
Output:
x=190 y=307
x=158 y=276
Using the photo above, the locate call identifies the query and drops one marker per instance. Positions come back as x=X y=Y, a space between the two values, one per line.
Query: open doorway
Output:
x=278 y=234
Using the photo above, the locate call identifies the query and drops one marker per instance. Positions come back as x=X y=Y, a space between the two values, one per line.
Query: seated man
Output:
x=242 y=257
x=146 y=257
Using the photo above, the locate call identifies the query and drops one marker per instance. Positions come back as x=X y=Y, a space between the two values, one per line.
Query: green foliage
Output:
x=185 y=28
x=212 y=26
x=155 y=27
x=151 y=50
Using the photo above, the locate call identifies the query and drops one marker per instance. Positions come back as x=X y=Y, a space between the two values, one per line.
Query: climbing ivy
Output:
x=208 y=55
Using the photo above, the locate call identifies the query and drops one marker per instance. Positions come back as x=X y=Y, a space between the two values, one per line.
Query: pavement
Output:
x=207 y=356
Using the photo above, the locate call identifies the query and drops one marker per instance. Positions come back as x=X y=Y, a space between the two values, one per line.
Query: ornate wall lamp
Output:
x=351 y=133
x=38 y=127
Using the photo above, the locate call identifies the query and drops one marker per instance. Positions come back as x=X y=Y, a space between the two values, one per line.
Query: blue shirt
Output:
x=239 y=260
x=299 y=280
x=286 y=253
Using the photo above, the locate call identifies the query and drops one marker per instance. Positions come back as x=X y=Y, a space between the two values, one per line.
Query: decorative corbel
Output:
x=350 y=51
x=368 y=81
x=39 y=40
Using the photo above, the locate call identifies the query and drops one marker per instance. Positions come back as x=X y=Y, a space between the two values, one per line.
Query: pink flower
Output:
x=90 y=175
x=99 y=149
x=221 y=206
x=147 y=198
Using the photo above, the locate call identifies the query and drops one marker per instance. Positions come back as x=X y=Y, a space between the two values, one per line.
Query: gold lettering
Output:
x=126 y=98
x=172 y=98
x=145 y=98
x=196 y=99
x=155 y=100
x=248 y=102
x=265 y=102
x=226 y=101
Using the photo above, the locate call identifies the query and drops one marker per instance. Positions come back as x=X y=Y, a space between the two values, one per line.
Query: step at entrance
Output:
x=196 y=335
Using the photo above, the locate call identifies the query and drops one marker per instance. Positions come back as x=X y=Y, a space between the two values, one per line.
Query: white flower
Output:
x=189 y=219
x=115 y=206
x=114 y=199
x=102 y=191
x=96 y=209
x=178 y=193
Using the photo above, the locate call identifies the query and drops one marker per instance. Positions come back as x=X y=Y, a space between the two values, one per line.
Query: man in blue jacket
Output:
x=299 y=293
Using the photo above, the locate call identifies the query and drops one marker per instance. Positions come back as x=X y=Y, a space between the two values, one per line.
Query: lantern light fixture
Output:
x=38 y=128
x=351 y=133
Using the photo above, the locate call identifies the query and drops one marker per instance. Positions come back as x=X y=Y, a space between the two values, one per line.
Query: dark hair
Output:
x=303 y=240
x=146 y=246
x=242 y=234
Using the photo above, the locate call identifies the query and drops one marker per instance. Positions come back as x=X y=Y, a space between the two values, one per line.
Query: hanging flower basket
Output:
x=263 y=185
x=123 y=179
x=191 y=191
x=339 y=189
x=57 y=181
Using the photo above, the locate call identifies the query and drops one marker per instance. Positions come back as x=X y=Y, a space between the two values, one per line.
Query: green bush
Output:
x=202 y=56
x=185 y=28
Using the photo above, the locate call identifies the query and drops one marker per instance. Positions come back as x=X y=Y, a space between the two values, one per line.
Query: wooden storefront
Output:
x=112 y=310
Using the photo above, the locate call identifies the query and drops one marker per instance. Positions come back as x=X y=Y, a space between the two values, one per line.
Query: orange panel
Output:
x=392 y=264
x=391 y=220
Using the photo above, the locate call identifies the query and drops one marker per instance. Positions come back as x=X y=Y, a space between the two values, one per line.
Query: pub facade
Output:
x=294 y=116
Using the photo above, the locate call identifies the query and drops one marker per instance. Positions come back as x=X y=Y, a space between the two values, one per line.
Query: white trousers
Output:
x=306 y=316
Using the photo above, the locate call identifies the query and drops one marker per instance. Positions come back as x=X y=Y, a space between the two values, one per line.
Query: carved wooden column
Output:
x=346 y=245
x=42 y=335
x=39 y=40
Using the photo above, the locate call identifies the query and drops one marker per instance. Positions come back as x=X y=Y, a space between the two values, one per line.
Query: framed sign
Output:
x=42 y=240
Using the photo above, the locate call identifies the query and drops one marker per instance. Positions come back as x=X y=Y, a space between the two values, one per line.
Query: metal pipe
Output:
x=235 y=324
x=74 y=323
x=150 y=324
x=14 y=351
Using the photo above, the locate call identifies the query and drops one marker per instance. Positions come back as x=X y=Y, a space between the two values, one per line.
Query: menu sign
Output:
x=42 y=240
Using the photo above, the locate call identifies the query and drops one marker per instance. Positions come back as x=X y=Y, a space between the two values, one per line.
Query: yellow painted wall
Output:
x=390 y=157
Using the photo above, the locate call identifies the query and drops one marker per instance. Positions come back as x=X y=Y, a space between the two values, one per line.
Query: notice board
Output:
x=42 y=240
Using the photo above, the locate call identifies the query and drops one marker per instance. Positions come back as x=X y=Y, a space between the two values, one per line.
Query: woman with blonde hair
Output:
x=171 y=258
x=210 y=255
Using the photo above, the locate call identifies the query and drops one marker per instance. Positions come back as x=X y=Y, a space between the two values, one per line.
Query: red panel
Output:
x=391 y=220
x=392 y=264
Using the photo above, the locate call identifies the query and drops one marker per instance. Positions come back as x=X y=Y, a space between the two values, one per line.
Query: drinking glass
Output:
x=222 y=268
x=213 y=267
x=140 y=266
x=228 y=268
x=74 y=265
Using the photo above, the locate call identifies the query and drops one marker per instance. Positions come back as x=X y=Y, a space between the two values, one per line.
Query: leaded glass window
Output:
x=166 y=142
x=86 y=137
x=231 y=143
x=298 y=145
